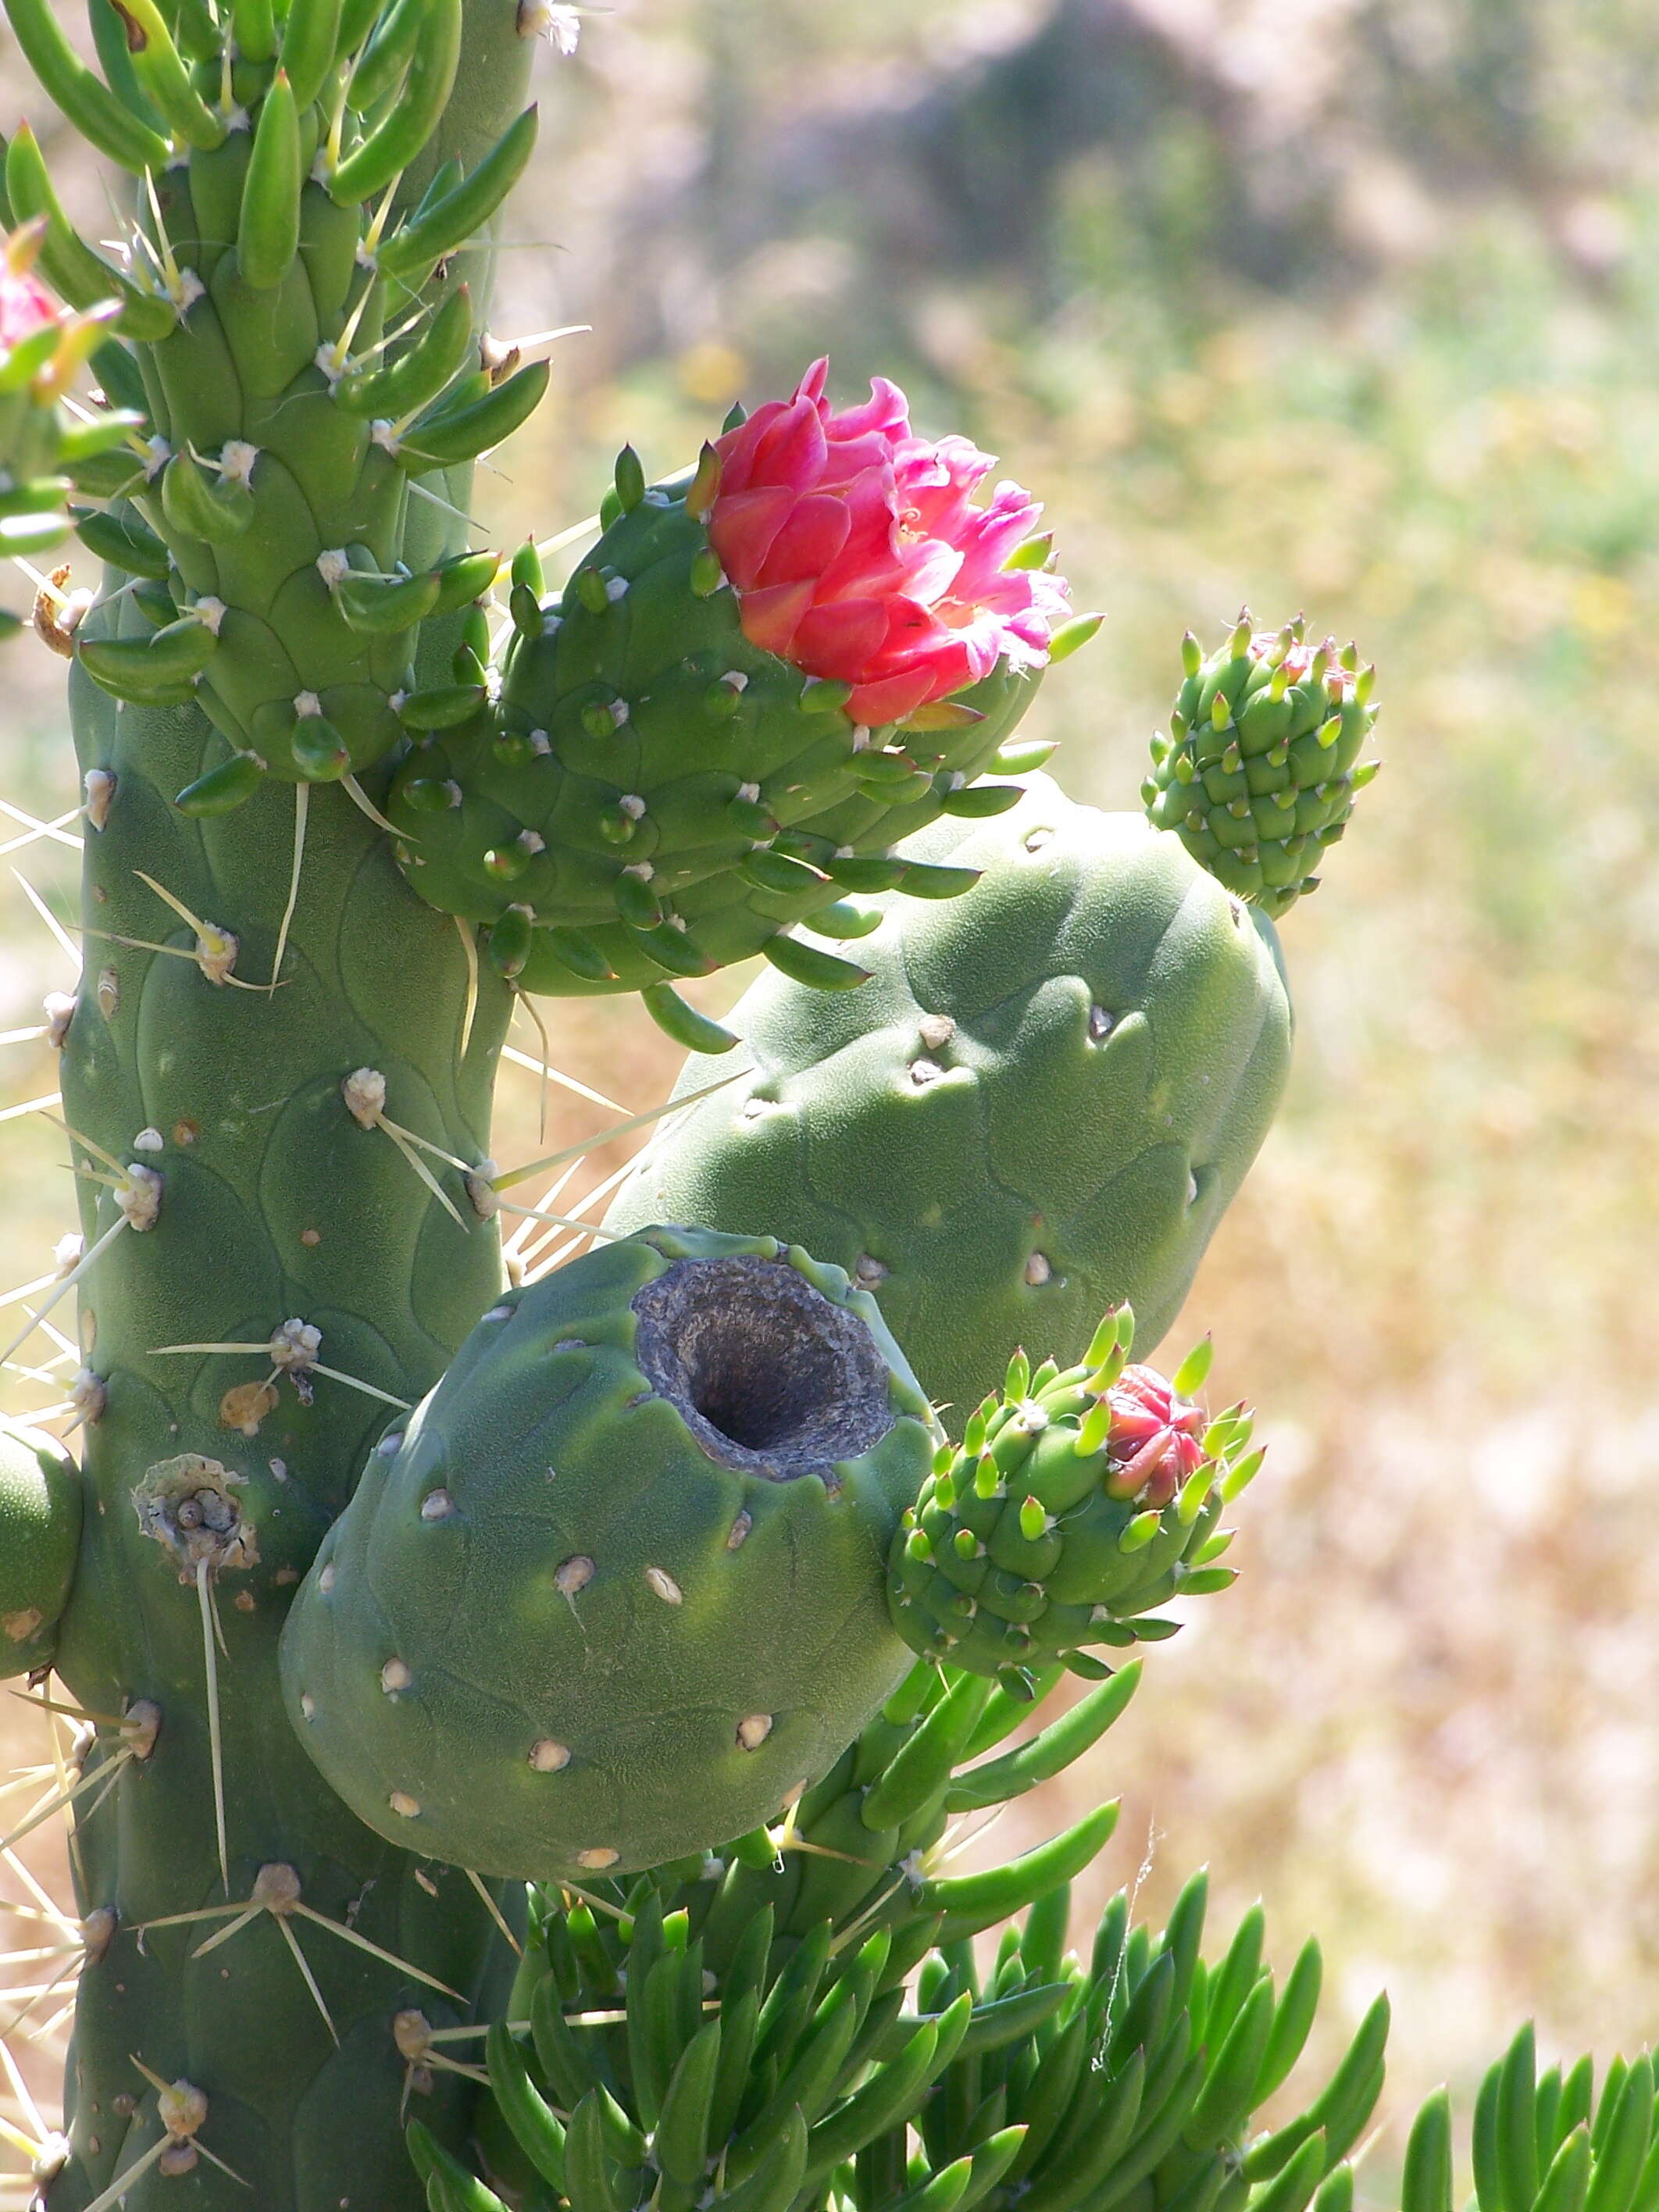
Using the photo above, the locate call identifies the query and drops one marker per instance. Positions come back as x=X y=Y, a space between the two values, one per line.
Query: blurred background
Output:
x=1344 y=305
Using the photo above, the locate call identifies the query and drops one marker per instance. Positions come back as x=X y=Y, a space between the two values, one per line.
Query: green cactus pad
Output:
x=617 y=1591
x=1075 y=1501
x=40 y=1505
x=1038 y=1107
x=1258 y=775
x=651 y=780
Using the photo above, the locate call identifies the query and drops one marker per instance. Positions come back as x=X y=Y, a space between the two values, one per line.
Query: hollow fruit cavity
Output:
x=770 y=1376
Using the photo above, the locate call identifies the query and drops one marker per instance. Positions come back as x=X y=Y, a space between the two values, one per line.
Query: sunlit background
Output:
x=1343 y=305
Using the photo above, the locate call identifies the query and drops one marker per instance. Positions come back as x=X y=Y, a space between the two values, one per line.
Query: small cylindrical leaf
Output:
x=164 y=79
x=463 y=433
x=695 y=1032
x=540 y=2133
x=223 y=789
x=124 y=542
x=1426 y=2183
x=90 y=106
x=410 y=255
x=403 y=130
x=310 y=36
x=419 y=374
x=805 y=963
x=383 y=62
x=268 y=233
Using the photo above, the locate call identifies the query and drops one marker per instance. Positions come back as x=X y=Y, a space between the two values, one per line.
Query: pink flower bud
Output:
x=1154 y=1443
x=856 y=552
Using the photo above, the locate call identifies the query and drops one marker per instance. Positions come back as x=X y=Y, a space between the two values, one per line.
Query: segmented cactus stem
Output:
x=266 y=1276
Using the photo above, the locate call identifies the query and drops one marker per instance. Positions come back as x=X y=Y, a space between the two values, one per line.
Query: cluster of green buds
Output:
x=1076 y=1499
x=44 y=347
x=1259 y=773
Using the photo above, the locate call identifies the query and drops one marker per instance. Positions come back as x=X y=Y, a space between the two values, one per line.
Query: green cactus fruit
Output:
x=1038 y=1107
x=40 y=1504
x=1258 y=775
x=652 y=792
x=617 y=1591
x=1076 y=1500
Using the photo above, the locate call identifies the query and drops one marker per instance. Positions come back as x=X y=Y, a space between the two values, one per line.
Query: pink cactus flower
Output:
x=25 y=306
x=856 y=551
x=1340 y=681
x=1155 y=1442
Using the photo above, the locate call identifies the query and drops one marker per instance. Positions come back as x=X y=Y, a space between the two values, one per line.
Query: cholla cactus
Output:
x=298 y=179
x=380 y=1583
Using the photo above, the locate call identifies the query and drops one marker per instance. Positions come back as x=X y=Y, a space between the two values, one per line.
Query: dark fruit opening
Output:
x=768 y=1374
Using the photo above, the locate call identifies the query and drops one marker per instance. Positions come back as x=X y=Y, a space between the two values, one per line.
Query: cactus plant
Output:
x=226 y=1189
x=496 y=1754
x=277 y=1072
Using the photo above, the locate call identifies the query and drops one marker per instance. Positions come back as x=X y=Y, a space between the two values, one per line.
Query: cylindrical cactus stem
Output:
x=1039 y=1106
x=276 y=1057
x=283 y=1210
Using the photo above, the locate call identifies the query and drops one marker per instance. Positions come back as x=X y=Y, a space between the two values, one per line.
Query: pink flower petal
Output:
x=791 y=449
x=944 y=657
x=771 y=617
x=26 y=306
x=871 y=561
x=742 y=528
x=885 y=413
x=931 y=566
x=841 y=640
x=813 y=533
x=891 y=698
x=738 y=448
